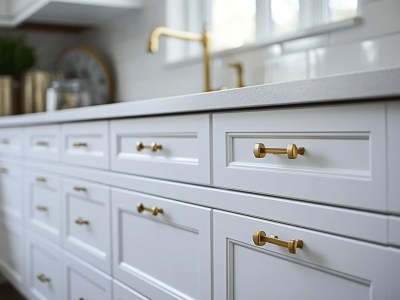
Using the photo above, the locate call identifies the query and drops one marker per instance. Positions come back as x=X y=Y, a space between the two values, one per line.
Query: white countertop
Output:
x=374 y=85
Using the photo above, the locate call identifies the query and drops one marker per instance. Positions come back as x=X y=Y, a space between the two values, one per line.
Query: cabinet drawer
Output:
x=185 y=148
x=12 y=254
x=86 y=221
x=11 y=141
x=43 y=142
x=163 y=256
x=44 y=270
x=344 y=162
x=393 y=144
x=11 y=196
x=86 y=144
x=84 y=281
x=122 y=292
x=327 y=267
x=44 y=204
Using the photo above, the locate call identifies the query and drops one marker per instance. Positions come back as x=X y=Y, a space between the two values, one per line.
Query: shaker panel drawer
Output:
x=43 y=142
x=86 y=144
x=162 y=254
x=11 y=141
x=44 y=270
x=344 y=161
x=86 y=221
x=175 y=148
x=249 y=263
x=11 y=195
x=44 y=204
x=84 y=281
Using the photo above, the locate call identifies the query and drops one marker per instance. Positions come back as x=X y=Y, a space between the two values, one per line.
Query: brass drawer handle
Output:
x=260 y=238
x=153 y=146
x=41 y=179
x=291 y=151
x=79 y=188
x=43 y=278
x=81 y=221
x=79 y=144
x=41 y=208
x=3 y=170
x=42 y=143
x=154 y=210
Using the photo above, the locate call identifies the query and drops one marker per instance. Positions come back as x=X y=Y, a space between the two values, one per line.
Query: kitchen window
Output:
x=236 y=23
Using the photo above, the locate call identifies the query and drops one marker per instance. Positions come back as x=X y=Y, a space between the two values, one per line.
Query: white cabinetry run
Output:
x=208 y=205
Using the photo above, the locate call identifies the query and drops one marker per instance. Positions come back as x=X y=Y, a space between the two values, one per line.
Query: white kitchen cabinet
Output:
x=86 y=221
x=161 y=254
x=11 y=141
x=43 y=204
x=327 y=267
x=81 y=12
x=122 y=292
x=393 y=144
x=43 y=142
x=84 y=281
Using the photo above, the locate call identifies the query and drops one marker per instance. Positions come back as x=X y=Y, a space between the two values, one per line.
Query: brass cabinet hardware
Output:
x=43 y=278
x=154 y=210
x=291 y=151
x=79 y=144
x=260 y=238
x=79 y=188
x=3 y=170
x=153 y=146
x=42 y=143
x=80 y=298
x=41 y=208
x=5 y=141
x=81 y=221
x=238 y=66
x=41 y=179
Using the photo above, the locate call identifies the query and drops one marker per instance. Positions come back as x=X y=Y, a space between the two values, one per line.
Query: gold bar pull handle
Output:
x=79 y=188
x=154 y=210
x=81 y=221
x=260 y=238
x=79 y=145
x=41 y=179
x=291 y=151
x=42 y=143
x=153 y=146
x=41 y=208
x=43 y=278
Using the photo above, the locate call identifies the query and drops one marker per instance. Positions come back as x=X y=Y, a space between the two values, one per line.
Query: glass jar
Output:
x=68 y=93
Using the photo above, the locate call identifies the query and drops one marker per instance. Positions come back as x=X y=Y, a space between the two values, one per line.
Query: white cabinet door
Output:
x=327 y=267
x=84 y=281
x=86 y=221
x=12 y=253
x=43 y=142
x=162 y=256
x=44 y=269
x=11 y=190
x=43 y=204
x=122 y=292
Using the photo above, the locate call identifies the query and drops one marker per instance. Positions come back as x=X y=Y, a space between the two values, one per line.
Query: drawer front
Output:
x=163 y=256
x=84 y=281
x=44 y=270
x=86 y=221
x=11 y=196
x=43 y=142
x=344 y=162
x=11 y=141
x=184 y=153
x=393 y=125
x=327 y=267
x=12 y=254
x=86 y=144
x=43 y=194
x=122 y=292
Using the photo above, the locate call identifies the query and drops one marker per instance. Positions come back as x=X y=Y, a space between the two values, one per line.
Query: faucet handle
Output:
x=238 y=66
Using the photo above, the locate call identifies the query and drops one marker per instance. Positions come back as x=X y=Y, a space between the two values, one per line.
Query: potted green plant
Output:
x=15 y=59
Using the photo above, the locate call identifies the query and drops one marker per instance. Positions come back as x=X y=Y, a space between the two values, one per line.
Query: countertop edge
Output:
x=373 y=85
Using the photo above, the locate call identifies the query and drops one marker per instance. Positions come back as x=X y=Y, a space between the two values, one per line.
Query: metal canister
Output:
x=6 y=95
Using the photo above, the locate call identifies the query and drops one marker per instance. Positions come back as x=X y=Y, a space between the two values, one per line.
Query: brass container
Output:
x=6 y=95
x=35 y=84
